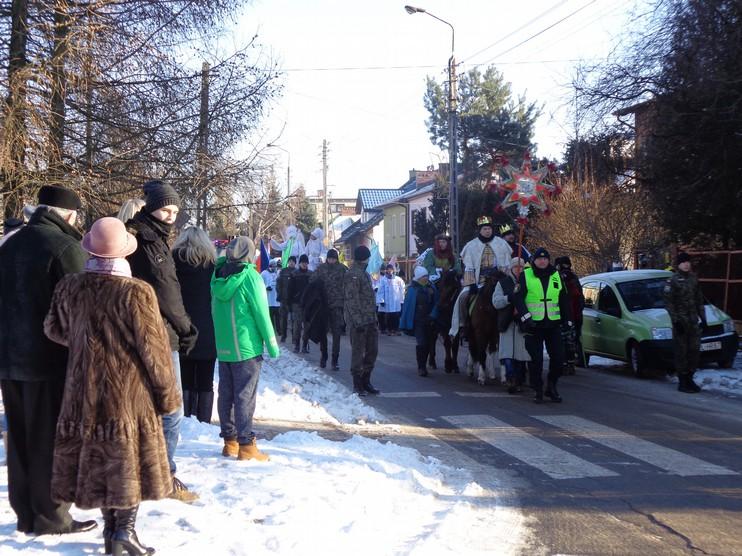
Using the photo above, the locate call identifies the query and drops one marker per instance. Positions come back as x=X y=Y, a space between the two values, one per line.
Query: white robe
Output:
x=269 y=279
x=298 y=249
x=314 y=249
x=391 y=291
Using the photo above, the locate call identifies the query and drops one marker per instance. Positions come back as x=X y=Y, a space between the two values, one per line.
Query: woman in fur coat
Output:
x=109 y=451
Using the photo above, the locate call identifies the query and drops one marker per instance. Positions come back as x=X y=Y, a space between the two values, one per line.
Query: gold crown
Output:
x=505 y=229
x=484 y=221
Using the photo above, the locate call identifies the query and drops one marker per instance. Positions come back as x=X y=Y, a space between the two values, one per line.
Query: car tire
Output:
x=726 y=363
x=636 y=360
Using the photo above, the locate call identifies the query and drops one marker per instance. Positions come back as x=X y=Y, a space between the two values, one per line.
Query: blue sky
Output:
x=374 y=119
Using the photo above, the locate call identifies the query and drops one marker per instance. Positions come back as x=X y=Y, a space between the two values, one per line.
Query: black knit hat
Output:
x=361 y=253
x=540 y=252
x=303 y=259
x=683 y=257
x=158 y=194
x=563 y=261
x=331 y=254
x=60 y=197
x=291 y=259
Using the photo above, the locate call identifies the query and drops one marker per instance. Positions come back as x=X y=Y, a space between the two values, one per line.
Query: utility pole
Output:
x=324 y=189
x=202 y=151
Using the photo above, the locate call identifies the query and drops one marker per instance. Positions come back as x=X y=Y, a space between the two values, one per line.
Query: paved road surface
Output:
x=623 y=466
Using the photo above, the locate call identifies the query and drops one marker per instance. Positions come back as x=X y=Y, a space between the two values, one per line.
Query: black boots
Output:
x=358 y=386
x=323 y=361
x=686 y=384
x=124 y=538
x=335 y=366
x=205 y=406
x=421 y=357
x=109 y=526
x=368 y=387
x=551 y=392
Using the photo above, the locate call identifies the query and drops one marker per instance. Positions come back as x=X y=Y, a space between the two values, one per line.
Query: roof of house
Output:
x=405 y=197
x=359 y=228
x=369 y=199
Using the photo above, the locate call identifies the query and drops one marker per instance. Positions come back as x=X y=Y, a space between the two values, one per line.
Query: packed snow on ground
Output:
x=314 y=496
x=715 y=379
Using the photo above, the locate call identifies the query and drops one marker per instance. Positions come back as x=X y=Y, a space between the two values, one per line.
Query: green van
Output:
x=625 y=319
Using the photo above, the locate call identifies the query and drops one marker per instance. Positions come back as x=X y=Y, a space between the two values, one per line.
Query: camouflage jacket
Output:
x=360 y=300
x=332 y=282
x=683 y=298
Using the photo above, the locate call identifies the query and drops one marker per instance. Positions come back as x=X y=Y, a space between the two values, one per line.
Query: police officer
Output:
x=544 y=304
x=684 y=302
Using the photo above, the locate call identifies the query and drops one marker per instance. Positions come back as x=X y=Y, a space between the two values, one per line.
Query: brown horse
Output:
x=449 y=288
x=484 y=337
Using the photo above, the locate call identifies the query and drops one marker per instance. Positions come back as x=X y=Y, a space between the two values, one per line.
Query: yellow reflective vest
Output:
x=542 y=305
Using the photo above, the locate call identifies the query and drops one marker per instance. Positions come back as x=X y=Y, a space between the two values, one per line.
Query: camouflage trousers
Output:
x=687 y=346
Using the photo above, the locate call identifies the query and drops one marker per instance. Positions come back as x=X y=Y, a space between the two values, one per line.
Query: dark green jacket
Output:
x=332 y=282
x=31 y=264
x=683 y=298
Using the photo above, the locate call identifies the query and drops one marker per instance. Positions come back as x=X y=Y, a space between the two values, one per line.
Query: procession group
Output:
x=108 y=338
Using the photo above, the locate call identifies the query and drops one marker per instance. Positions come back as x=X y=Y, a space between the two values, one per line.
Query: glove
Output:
x=678 y=327
x=188 y=342
x=473 y=289
x=526 y=324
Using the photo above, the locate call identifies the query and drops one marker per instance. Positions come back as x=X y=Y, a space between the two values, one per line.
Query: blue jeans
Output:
x=238 y=389
x=171 y=421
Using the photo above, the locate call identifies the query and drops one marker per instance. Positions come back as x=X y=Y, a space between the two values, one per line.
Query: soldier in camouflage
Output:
x=331 y=273
x=360 y=316
x=684 y=302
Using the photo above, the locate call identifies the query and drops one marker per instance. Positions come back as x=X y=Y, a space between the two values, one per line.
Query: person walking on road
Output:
x=194 y=256
x=109 y=450
x=282 y=296
x=243 y=331
x=297 y=283
x=512 y=347
x=684 y=303
x=331 y=273
x=360 y=317
x=33 y=367
x=153 y=262
x=417 y=317
x=543 y=305
x=391 y=293
x=572 y=336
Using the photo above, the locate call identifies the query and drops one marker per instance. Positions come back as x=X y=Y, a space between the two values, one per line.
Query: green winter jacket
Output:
x=239 y=306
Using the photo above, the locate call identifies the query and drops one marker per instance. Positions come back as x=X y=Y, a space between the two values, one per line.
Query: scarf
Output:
x=485 y=239
x=111 y=267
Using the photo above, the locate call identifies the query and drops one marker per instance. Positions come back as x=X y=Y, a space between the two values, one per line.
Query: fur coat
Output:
x=109 y=450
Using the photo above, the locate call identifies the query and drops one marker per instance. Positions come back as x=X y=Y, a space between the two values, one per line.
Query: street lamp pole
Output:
x=453 y=190
x=288 y=167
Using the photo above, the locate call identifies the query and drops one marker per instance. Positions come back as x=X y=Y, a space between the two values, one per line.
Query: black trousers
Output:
x=275 y=319
x=552 y=338
x=197 y=375
x=32 y=409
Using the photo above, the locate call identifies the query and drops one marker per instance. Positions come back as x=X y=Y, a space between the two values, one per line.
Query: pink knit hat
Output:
x=108 y=239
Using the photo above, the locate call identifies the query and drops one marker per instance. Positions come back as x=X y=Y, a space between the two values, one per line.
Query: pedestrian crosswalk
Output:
x=558 y=463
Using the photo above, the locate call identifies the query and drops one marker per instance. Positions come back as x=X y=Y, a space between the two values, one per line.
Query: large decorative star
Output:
x=526 y=188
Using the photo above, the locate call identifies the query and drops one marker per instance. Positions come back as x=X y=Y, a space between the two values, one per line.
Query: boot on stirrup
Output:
x=125 y=538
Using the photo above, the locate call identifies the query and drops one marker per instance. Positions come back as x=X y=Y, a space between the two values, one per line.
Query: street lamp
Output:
x=453 y=190
x=288 y=166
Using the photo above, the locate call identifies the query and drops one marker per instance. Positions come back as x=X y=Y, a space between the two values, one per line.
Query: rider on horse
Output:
x=441 y=258
x=481 y=256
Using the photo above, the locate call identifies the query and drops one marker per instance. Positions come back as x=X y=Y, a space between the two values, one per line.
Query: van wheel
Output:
x=636 y=360
x=725 y=363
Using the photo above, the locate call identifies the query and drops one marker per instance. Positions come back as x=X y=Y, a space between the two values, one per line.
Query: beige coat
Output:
x=110 y=450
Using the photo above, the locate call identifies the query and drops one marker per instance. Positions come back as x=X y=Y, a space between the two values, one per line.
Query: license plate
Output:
x=711 y=346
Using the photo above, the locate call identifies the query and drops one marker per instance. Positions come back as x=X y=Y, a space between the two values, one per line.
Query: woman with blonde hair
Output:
x=194 y=256
x=129 y=209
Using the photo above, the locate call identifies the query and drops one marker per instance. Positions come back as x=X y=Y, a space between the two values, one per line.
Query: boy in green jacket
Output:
x=242 y=327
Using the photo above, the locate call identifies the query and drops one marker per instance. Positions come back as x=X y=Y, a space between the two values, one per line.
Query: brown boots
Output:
x=230 y=447
x=243 y=451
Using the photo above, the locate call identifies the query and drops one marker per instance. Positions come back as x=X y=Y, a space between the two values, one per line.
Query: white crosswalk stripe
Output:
x=555 y=462
x=668 y=459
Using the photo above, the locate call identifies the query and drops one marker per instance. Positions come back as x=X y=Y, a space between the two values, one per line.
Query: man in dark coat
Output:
x=684 y=303
x=153 y=262
x=360 y=316
x=331 y=274
x=282 y=285
x=314 y=307
x=544 y=305
x=297 y=283
x=418 y=318
x=573 y=340
x=32 y=367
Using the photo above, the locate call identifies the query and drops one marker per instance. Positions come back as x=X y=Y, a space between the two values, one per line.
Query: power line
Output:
x=542 y=31
x=383 y=68
x=534 y=20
